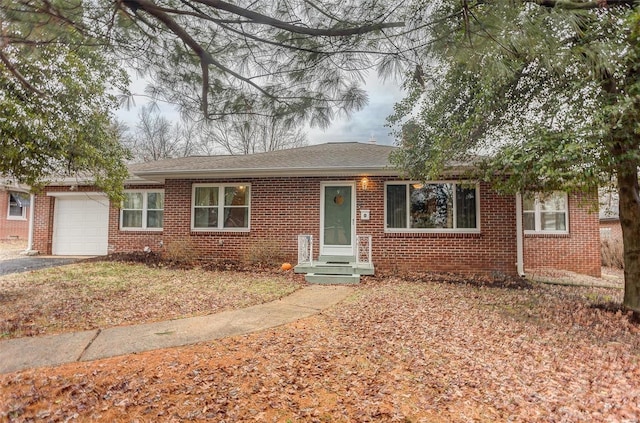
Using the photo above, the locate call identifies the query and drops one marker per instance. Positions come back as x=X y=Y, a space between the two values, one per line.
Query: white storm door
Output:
x=337 y=218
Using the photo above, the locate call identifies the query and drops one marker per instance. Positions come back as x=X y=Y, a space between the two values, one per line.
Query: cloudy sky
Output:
x=367 y=123
x=361 y=126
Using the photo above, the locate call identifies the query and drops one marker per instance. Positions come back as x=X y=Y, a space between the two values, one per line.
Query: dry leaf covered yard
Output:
x=436 y=349
x=102 y=294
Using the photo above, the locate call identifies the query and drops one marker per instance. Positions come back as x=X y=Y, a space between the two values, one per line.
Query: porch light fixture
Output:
x=365 y=183
x=418 y=186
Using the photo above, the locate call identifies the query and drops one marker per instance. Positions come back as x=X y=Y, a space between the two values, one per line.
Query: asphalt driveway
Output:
x=24 y=264
x=12 y=261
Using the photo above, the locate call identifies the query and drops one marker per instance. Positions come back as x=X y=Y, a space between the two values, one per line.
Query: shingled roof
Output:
x=345 y=158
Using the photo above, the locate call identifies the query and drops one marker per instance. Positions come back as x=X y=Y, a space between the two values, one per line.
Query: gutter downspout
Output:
x=519 y=237
x=32 y=212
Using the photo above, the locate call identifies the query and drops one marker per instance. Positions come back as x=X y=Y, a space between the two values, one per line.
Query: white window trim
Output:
x=23 y=208
x=220 y=206
x=475 y=230
x=538 y=222
x=144 y=211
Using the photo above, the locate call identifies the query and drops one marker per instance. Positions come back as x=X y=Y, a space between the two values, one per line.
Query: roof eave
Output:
x=86 y=181
x=160 y=176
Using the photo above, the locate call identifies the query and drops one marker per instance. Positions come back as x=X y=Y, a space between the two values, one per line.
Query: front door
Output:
x=337 y=217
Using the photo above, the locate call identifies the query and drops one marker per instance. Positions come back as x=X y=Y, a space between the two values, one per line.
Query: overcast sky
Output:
x=361 y=127
x=367 y=123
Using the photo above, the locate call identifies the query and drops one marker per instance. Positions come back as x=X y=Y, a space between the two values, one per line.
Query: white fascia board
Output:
x=135 y=180
x=15 y=188
x=260 y=173
x=76 y=194
x=69 y=182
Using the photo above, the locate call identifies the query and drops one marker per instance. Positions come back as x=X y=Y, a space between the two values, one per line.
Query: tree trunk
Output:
x=629 y=212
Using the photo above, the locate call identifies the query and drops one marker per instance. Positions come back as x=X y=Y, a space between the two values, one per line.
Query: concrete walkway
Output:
x=23 y=353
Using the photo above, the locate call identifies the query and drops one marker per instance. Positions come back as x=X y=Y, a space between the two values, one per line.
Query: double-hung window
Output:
x=17 y=206
x=545 y=212
x=142 y=210
x=220 y=207
x=431 y=207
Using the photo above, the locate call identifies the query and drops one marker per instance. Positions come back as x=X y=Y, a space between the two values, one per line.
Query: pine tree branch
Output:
x=164 y=15
x=259 y=18
x=204 y=56
x=582 y=5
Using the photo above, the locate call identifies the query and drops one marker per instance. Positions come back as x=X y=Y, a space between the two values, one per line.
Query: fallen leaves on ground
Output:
x=423 y=351
x=90 y=295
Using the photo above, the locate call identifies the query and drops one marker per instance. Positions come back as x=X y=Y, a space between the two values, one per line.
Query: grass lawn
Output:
x=91 y=295
x=429 y=350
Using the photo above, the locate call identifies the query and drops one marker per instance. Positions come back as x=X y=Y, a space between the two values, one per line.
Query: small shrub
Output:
x=181 y=250
x=265 y=253
x=612 y=253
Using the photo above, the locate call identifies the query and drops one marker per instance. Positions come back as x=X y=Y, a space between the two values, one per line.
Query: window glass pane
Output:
x=553 y=221
x=466 y=207
x=155 y=201
x=236 y=217
x=15 y=210
x=15 y=206
x=529 y=221
x=236 y=196
x=396 y=206
x=432 y=206
x=205 y=218
x=206 y=196
x=155 y=218
x=132 y=218
x=553 y=202
x=132 y=200
x=529 y=202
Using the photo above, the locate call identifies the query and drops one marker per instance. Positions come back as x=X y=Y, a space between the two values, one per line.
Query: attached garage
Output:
x=80 y=224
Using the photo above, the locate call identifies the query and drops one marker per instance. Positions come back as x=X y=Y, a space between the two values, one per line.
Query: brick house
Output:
x=14 y=211
x=337 y=210
x=610 y=228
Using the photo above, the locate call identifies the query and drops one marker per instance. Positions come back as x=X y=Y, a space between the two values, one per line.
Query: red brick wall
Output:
x=282 y=208
x=578 y=251
x=12 y=228
x=611 y=229
x=492 y=251
x=132 y=240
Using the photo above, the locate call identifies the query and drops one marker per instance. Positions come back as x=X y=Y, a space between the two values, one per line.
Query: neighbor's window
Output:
x=142 y=210
x=17 y=206
x=545 y=212
x=220 y=207
x=431 y=207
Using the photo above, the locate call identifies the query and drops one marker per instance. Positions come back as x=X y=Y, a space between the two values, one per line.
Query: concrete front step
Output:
x=337 y=259
x=332 y=269
x=332 y=279
x=335 y=268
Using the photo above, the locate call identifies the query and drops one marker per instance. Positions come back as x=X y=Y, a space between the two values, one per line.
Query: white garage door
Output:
x=81 y=225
